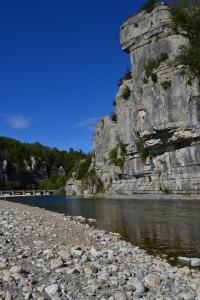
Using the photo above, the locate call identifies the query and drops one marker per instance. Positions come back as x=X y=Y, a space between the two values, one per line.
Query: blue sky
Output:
x=60 y=62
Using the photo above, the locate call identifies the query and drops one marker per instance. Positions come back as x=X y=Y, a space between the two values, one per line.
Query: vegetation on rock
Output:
x=186 y=15
x=116 y=156
x=82 y=167
x=127 y=76
x=113 y=117
x=149 y=6
x=166 y=84
x=126 y=93
x=93 y=182
x=141 y=149
x=153 y=64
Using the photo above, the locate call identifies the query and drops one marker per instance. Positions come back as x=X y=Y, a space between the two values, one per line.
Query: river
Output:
x=168 y=227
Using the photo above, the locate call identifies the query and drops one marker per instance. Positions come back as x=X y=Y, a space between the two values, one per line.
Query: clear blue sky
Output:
x=60 y=61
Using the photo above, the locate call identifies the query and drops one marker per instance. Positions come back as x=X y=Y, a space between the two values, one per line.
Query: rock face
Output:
x=157 y=131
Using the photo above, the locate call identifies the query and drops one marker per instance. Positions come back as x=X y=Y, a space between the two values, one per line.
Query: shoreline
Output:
x=139 y=196
x=47 y=255
x=152 y=196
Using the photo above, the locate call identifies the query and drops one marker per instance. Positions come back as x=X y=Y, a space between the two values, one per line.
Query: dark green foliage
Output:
x=150 y=66
x=126 y=93
x=166 y=190
x=127 y=76
x=136 y=25
x=154 y=77
x=113 y=117
x=54 y=182
x=114 y=103
x=163 y=56
x=141 y=149
x=114 y=158
x=189 y=82
x=149 y=6
x=186 y=15
x=190 y=56
x=166 y=84
x=153 y=64
x=93 y=182
x=145 y=80
x=16 y=153
x=83 y=167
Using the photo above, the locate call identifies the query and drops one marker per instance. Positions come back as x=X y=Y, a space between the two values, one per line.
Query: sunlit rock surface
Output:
x=160 y=113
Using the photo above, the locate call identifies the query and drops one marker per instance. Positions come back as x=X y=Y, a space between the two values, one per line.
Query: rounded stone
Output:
x=52 y=289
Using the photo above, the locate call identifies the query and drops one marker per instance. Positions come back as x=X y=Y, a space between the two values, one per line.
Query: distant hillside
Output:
x=34 y=165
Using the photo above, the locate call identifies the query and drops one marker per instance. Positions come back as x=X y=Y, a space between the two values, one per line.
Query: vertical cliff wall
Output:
x=156 y=134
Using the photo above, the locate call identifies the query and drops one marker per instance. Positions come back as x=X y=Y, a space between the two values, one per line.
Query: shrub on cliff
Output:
x=141 y=149
x=83 y=167
x=152 y=64
x=127 y=76
x=93 y=182
x=116 y=156
x=149 y=6
x=166 y=84
x=186 y=15
x=126 y=93
x=113 y=117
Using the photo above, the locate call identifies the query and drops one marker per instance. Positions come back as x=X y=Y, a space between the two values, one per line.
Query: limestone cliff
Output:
x=153 y=143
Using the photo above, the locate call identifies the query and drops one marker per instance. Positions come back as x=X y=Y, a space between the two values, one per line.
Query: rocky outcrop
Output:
x=154 y=144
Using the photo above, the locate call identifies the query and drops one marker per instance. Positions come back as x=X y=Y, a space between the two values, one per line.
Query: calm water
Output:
x=170 y=227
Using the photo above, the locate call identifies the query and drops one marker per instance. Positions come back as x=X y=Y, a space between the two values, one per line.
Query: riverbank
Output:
x=140 y=196
x=46 y=255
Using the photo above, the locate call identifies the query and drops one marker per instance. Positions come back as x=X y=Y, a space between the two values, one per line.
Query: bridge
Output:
x=15 y=193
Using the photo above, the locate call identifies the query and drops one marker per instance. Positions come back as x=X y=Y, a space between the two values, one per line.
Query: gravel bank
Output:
x=46 y=255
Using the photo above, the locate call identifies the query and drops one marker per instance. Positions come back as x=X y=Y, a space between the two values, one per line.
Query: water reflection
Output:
x=170 y=227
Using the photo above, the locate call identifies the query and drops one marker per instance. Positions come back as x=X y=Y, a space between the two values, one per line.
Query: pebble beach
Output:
x=47 y=255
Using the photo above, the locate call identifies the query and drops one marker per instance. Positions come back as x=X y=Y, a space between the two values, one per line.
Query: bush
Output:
x=153 y=64
x=93 y=182
x=83 y=167
x=149 y=6
x=145 y=80
x=190 y=56
x=126 y=93
x=53 y=183
x=141 y=149
x=114 y=103
x=113 y=117
x=150 y=66
x=127 y=76
x=186 y=15
x=166 y=190
x=114 y=158
x=166 y=84
x=154 y=77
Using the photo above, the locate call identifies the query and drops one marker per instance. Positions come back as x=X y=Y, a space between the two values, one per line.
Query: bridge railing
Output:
x=12 y=193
